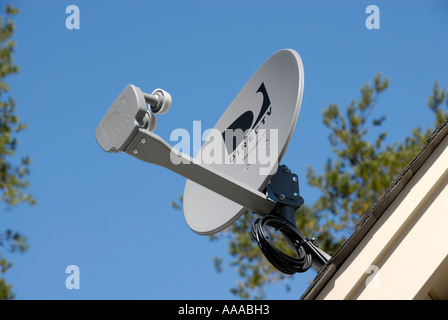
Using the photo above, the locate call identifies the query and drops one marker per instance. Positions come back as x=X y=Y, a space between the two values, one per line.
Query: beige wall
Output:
x=404 y=255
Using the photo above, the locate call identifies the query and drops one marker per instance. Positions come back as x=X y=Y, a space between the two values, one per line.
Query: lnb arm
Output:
x=127 y=126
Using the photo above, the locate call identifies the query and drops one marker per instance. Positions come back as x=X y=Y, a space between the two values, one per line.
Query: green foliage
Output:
x=361 y=170
x=13 y=183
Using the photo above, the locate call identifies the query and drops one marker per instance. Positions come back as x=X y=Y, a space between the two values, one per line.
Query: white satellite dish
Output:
x=264 y=114
x=271 y=99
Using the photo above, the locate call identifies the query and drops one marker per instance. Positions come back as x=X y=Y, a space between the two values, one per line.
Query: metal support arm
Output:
x=149 y=147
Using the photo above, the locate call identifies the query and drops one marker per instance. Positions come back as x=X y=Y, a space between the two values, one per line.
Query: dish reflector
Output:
x=266 y=112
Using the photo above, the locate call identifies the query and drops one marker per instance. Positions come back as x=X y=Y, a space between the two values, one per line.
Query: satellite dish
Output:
x=266 y=111
x=251 y=137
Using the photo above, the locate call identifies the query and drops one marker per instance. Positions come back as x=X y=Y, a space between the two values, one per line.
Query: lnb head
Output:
x=159 y=101
x=128 y=114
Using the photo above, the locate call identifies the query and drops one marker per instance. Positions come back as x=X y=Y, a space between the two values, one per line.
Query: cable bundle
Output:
x=280 y=260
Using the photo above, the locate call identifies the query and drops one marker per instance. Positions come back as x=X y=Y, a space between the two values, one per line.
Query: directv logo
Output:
x=244 y=122
x=244 y=141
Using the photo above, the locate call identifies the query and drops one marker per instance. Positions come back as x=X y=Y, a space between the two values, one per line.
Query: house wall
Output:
x=404 y=255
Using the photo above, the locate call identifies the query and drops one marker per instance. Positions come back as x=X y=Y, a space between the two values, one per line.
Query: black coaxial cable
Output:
x=280 y=260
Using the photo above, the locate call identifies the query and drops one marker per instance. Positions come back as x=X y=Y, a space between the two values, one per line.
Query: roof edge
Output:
x=370 y=218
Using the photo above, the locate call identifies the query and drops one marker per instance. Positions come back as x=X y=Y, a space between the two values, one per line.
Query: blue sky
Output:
x=110 y=214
